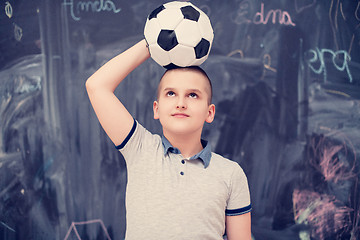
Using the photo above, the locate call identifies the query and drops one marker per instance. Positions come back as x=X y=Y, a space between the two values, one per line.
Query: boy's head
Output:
x=194 y=69
x=184 y=101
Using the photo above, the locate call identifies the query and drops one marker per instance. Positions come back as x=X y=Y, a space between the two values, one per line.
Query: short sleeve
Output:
x=122 y=145
x=239 y=197
x=139 y=142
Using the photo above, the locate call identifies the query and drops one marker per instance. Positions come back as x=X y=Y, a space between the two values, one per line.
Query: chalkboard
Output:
x=286 y=78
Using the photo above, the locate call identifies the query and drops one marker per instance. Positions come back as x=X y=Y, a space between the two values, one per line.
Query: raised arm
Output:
x=112 y=114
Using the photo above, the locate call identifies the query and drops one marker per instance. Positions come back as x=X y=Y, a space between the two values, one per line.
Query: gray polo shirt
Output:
x=170 y=197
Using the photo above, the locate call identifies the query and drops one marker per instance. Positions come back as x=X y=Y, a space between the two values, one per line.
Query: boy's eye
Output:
x=193 y=95
x=170 y=93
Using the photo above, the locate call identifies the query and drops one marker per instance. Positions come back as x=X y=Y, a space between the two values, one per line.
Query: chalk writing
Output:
x=342 y=11
x=267 y=65
x=74 y=224
x=301 y=5
x=357 y=16
x=8 y=10
x=282 y=17
x=338 y=93
x=236 y=52
x=334 y=19
x=351 y=42
x=276 y=16
x=18 y=32
x=241 y=13
x=319 y=58
x=90 y=6
x=267 y=62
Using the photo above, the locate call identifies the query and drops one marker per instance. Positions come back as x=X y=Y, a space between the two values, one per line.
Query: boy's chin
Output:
x=180 y=130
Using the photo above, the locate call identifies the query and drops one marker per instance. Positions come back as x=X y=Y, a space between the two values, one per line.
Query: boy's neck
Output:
x=188 y=145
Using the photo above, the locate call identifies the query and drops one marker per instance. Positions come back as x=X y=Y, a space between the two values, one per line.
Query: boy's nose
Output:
x=181 y=104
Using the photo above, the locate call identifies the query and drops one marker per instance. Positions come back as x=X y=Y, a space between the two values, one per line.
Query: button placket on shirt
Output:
x=183 y=162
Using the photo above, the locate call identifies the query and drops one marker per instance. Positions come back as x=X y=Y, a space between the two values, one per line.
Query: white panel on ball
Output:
x=182 y=55
x=159 y=55
x=170 y=18
x=176 y=4
x=188 y=33
x=205 y=28
x=152 y=30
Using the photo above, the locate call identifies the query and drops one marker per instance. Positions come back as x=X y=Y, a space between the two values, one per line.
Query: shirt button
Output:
x=181 y=173
x=183 y=161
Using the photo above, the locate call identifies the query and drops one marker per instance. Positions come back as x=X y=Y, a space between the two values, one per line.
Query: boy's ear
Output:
x=211 y=113
x=156 y=110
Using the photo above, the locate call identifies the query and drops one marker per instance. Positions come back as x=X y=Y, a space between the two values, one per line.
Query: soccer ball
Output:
x=178 y=34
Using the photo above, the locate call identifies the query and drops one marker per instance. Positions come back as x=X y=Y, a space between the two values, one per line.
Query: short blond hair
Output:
x=196 y=69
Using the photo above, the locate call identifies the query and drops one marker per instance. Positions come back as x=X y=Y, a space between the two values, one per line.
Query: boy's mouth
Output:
x=180 y=115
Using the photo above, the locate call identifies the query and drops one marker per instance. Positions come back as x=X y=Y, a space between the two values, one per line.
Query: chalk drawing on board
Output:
x=7 y=226
x=323 y=212
x=357 y=17
x=326 y=213
x=301 y=5
x=8 y=10
x=267 y=63
x=238 y=51
x=74 y=224
x=337 y=93
x=328 y=160
x=335 y=12
x=18 y=32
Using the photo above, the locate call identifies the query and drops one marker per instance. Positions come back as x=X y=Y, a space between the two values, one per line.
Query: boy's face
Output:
x=183 y=102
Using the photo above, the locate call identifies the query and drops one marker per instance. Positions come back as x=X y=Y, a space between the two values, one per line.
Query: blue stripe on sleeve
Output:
x=127 y=137
x=239 y=211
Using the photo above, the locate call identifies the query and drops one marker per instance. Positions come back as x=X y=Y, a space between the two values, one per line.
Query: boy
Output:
x=177 y=188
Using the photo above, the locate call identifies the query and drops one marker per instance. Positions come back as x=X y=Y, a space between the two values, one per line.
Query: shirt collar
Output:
x=204 y=155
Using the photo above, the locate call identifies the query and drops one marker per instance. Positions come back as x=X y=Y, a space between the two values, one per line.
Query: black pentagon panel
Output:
x=167 y=39
x=154 y=13
x=202 y=48
x=171 y=66
x=190 y=13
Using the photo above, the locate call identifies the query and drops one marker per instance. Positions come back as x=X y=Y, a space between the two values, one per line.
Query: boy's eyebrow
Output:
x=188 y=90
x=168 y=89
x=198 y=91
